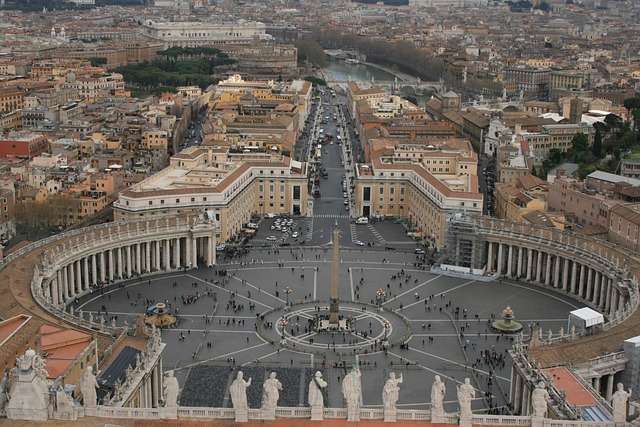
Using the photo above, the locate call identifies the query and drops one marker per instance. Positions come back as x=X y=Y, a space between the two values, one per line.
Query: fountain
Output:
x=507 y=324
x=159 y=316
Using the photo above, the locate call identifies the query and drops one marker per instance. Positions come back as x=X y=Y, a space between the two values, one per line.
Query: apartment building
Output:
x=230 y=186
x=558 y=136
x=424 y=184
x=624 y=225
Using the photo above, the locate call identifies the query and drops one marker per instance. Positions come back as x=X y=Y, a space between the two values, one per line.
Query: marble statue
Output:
x=391 y=391
x=315 y=390
x=238 y=391
x=88 y=386
x=271 y=392
x=352 y=392
x=438 y=390
x=539 y=398
x=316 y=399
x=171 y=390
x=466 y=393
x=619 y=402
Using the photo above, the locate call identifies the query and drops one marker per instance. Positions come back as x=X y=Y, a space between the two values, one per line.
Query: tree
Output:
x=579 y=147
x=596 y=149
x=632 y=103
x=311 y=51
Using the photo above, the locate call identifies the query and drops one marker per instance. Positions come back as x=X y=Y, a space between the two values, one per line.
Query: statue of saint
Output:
x=438 y=390
x=619 y=402
x=539 y=398
x=88 y=386
x=315 y=390
x=466 y=393
x=352 y=389
x=271 y=392
x=238 y=392
x=391 y=391
x=171 y=390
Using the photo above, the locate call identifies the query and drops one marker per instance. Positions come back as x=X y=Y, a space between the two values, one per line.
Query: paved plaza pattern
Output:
x=221 y=326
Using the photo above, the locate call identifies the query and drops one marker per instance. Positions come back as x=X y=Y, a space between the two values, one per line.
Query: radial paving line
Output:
x=441 y=293
x=200 y=362
x=228 y=291
x=457 y=363
x=260 y=290
x=413 y=289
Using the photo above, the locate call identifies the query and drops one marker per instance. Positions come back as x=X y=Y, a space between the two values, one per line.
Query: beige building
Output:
x=425 y=184
x=554 y=136
x=583 y=206
x=624 y=225
x=229 y=187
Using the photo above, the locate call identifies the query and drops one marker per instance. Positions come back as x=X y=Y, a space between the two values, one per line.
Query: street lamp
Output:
x=380 y=295
x=288 y=291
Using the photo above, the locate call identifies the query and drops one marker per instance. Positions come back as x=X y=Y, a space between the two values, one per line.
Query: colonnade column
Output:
x=94 y=269
x=596 y=287
x=565 y=274
x=529 y=263
x=119 y=262
x=556 y=273
x=500 y=259
x=610 y=379
x=177 y=253
x=65 y=284
x=85 y=268
x=111 y=266
x=211 y=252
x=574 y=278
x=55 y=292
x=194 y=251
x=589 y=277
x=147 y=258
x=72 y=280
x=127 y=250
x=103 y=268
x=138 y=259
x=167 y=255
x=80 y=281
x=581 y=282
x=603 y=289
x=519 y=262
x=157 y=257
x=547 y=273
x=539 y=267
x=490 y=258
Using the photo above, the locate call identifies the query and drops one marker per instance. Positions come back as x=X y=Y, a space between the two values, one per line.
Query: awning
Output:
x=589 y=316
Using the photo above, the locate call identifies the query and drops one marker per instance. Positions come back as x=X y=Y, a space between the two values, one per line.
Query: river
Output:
x=362 y=73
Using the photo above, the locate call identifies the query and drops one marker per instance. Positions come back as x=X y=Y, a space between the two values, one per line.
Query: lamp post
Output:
x=288 y=291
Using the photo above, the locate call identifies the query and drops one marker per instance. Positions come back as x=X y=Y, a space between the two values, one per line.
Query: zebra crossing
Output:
x=376 y=234
x=354 y=232
x=326 y=215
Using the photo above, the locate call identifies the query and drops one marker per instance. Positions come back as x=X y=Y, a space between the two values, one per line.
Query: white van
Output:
x=252 y=225
x=362 y=220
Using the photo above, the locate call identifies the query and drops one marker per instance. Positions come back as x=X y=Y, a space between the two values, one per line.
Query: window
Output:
x=150 y=202
x=162 y=202
x=193 y=199
x=177 y=200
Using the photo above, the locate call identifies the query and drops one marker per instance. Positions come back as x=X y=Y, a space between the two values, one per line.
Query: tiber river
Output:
x=340 y=70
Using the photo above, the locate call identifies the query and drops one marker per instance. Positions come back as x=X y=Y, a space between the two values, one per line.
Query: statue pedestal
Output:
x=390 y=415
x=437 y=417
x=242 y=415
x=466 y=421
x=268 y=413
x=29 y=398
x=353 y=414
x=170 y=412
x=537 y=421
x=317 y=413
